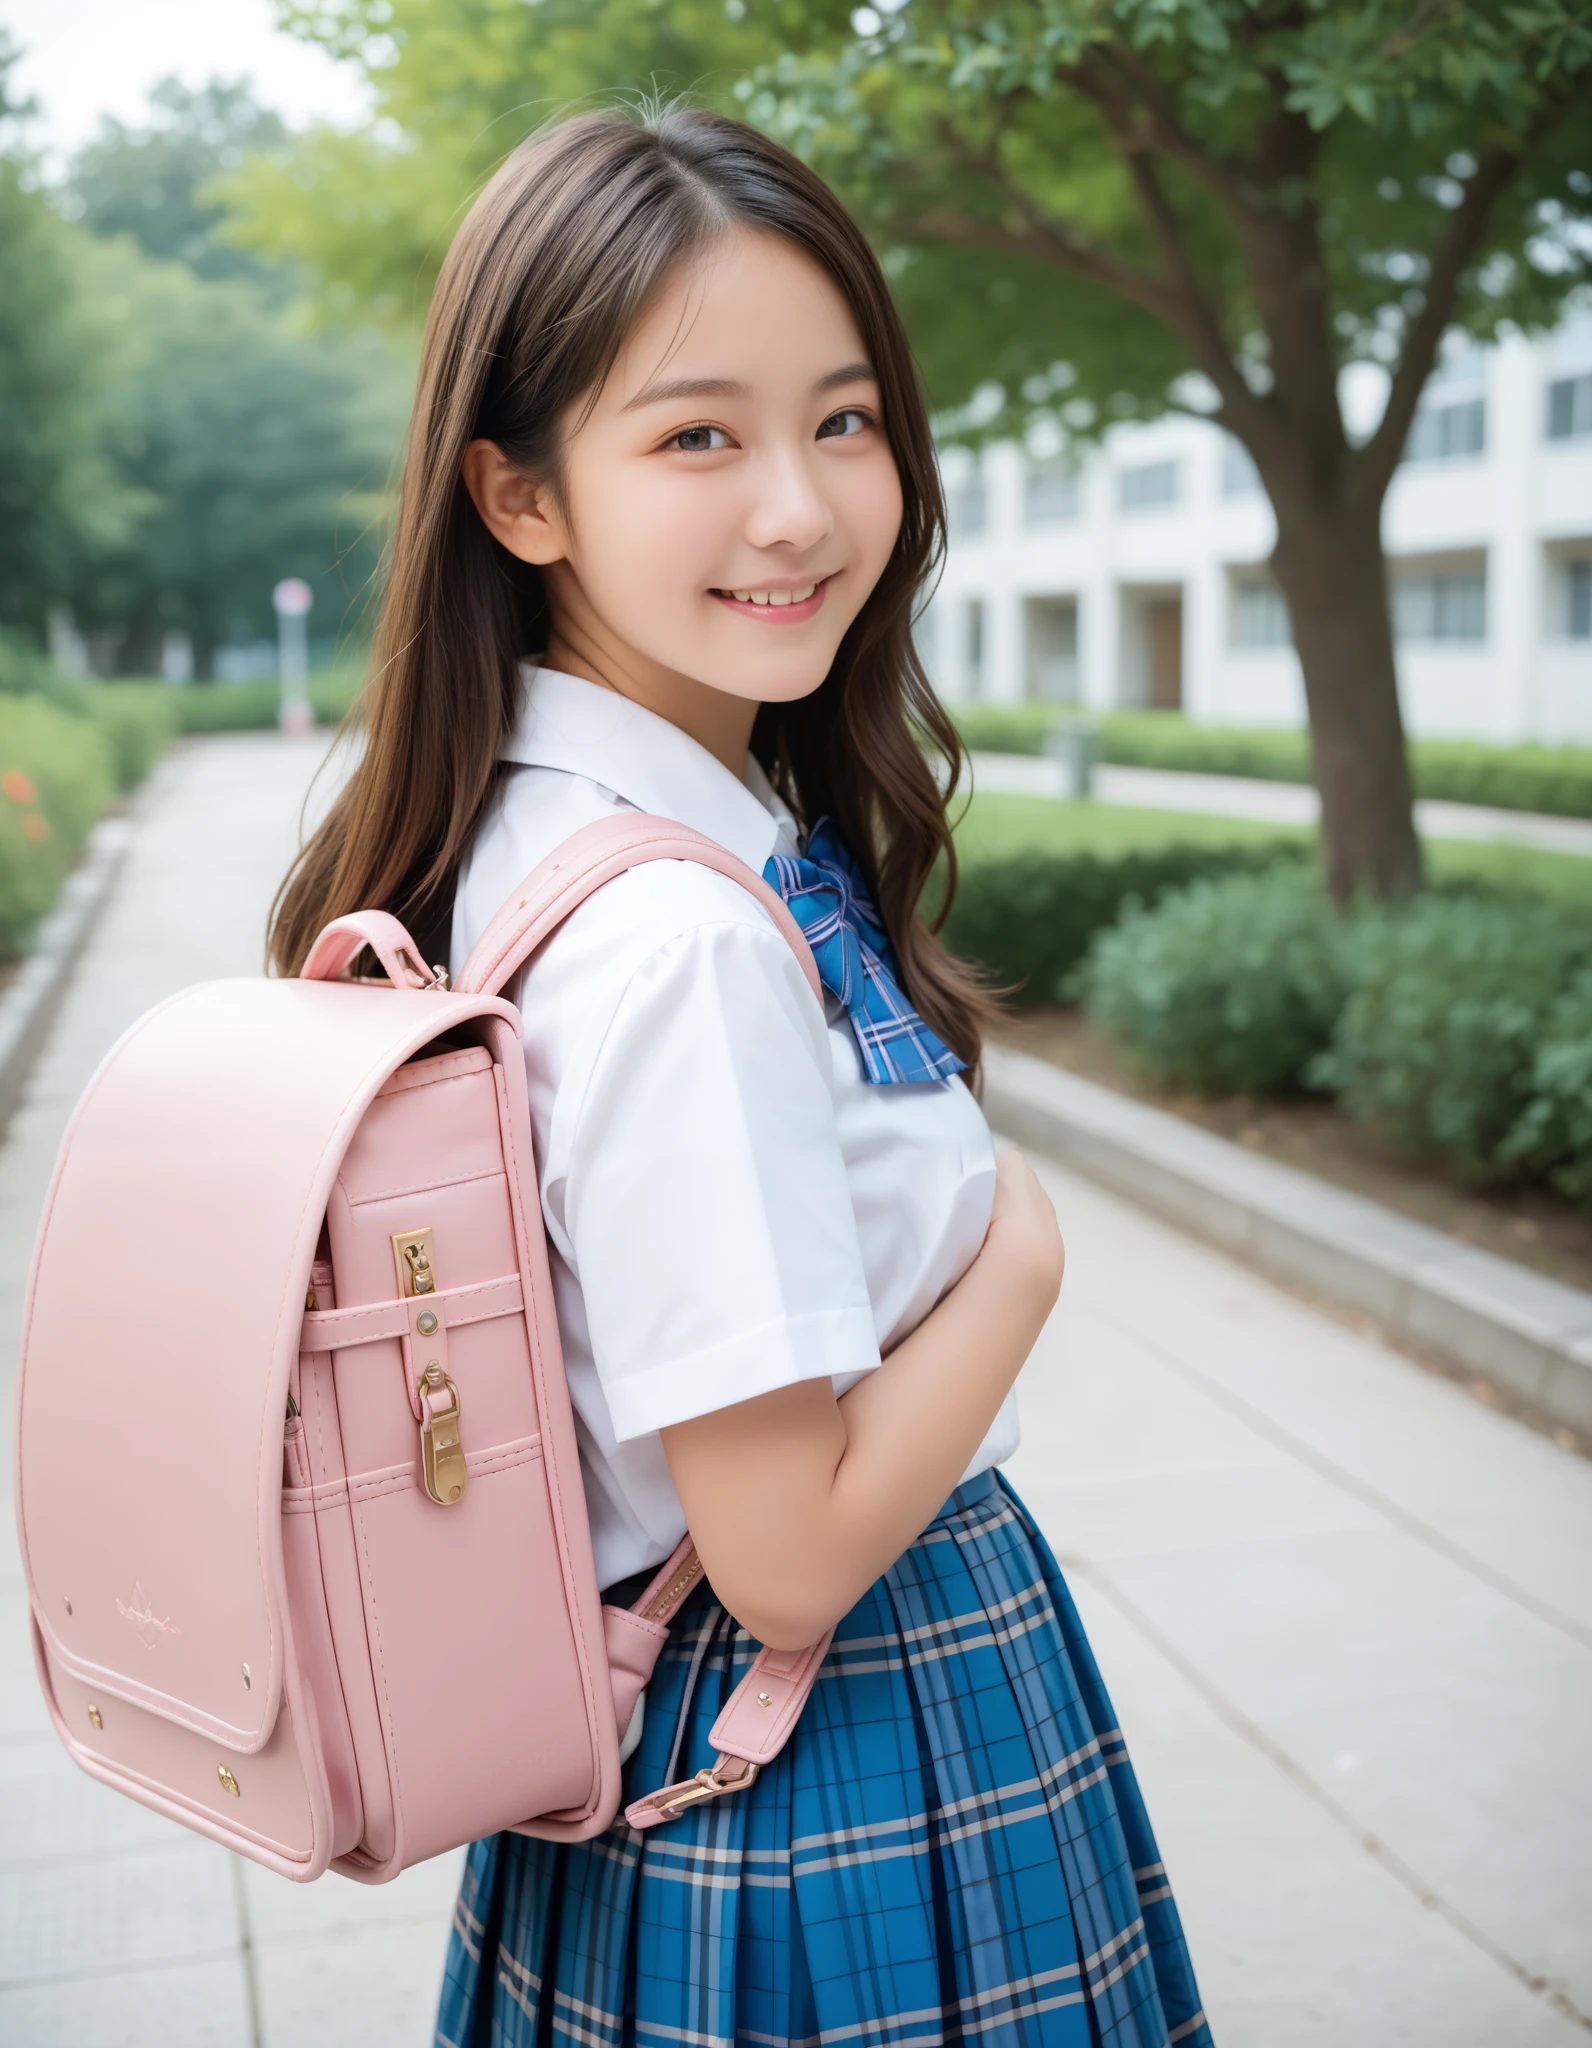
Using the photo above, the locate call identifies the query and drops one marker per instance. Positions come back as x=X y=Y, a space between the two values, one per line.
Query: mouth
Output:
x=785 y=604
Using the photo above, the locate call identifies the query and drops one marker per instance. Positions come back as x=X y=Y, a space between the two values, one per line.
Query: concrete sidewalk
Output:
x=1344 y=1612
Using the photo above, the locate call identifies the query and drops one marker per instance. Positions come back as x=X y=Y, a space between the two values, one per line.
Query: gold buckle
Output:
x=413 y=1256
x=709 y=1785
x=443 y=1471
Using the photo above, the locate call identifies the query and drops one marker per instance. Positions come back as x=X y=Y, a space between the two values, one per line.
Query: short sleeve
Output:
x=705 y=1203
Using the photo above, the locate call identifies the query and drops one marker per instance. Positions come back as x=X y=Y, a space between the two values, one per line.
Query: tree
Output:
x=152 y=183
x=246 y=447
x=457 y=84
x=1114 y=207
x=1259 y=191
x=256 y=452
x=58 y=494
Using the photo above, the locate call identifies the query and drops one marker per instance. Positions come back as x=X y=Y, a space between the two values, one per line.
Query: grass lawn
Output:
x=993 y=826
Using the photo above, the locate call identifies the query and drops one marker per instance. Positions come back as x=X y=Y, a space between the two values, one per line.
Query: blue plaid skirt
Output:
x=951 y=1845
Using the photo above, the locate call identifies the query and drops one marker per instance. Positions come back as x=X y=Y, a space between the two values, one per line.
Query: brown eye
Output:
x=845 y=425
x=699 y=440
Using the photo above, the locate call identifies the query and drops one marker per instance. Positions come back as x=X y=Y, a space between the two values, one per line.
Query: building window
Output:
x=1052 y=635
x=1570 y=408
x=1148 y=485
x=926 y=639
x=973 y=646
x=1448 y=433
x=1240 y=477
x=1445 y=605
x=1578 y=600
x=968 y=506
x=1050 y=494
x=1259 y=615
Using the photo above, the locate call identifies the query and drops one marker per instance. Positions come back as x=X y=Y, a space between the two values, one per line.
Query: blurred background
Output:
x=1259 y=343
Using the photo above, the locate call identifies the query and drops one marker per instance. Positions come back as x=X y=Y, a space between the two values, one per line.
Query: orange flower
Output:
x=36 y=826
x=18 y=787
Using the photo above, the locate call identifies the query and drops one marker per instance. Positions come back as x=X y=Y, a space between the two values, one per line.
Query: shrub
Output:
x=139 y=721
x=1555 y=779
x=1155 y=739
x=1522 y=778
x=1230 y=986
x=1439 y=1039
x=1030 y=917
x=55 y=779
x=22 y=668
x=1553 y=1135
x=228 y=707
x=255 y=707
x=1005 y=728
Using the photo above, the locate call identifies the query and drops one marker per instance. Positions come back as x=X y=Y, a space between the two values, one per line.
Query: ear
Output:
x=520 y=514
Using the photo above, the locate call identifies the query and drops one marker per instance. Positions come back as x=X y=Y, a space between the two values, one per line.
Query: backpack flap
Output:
x=162 y=1321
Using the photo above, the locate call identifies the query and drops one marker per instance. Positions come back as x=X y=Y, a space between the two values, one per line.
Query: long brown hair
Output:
x=553 y=266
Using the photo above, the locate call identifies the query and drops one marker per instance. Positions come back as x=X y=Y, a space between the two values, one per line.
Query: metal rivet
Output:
x=248 y=1682
x=68 y=1598
x=763 y=1700
x=426 y=1322
x=229 y=1782
x=95 y=1717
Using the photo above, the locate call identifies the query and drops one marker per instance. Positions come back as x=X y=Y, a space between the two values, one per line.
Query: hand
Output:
x=1023 y=1228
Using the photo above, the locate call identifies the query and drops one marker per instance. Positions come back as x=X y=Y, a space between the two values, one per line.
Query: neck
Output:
x=714 y=719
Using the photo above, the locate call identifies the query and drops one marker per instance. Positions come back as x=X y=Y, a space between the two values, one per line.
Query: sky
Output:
x=83 y=59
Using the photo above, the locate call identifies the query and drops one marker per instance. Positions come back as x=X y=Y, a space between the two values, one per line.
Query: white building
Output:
x=1140 y=578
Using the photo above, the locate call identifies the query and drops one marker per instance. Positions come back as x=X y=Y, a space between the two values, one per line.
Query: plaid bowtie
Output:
x=829 y=900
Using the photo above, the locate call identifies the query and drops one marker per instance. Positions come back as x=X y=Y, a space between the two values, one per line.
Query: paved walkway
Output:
x=1345 y=1613
x=1271 y=803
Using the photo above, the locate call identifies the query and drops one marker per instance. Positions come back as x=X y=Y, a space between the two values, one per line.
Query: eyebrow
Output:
x=728 y=387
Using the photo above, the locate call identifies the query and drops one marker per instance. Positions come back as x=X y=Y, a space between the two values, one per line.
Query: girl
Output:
x=669 y=445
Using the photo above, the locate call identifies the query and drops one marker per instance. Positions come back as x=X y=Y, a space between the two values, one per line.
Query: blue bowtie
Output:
x=829 y=900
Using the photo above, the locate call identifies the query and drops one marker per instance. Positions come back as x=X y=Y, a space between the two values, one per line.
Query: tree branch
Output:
x=1149 y=114
x=1191 y=315
x=1055 y=242
x=1461 y=238
x=1044 y=236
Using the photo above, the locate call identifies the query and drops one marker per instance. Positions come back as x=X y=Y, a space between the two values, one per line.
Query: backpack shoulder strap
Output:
x=582 y=864
x=755 y=1722
x=746 y=1734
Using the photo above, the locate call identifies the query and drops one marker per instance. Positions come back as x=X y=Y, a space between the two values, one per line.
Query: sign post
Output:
x=292 y=598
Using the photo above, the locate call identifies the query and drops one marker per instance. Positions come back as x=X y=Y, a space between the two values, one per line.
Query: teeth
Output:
x=774 y=597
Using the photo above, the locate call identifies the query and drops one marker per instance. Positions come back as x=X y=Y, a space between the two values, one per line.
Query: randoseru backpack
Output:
x=297 y=1485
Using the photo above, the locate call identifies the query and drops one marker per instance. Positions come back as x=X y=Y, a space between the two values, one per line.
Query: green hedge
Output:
x=1229 y=987
x=57 y=775
x=1525 y=778
x=1460 y=1023
x=1029 y=917
x=1553 y=779
x=1553 y=1134
x=139 y=721
x=1449 y=1006
x=256 y=707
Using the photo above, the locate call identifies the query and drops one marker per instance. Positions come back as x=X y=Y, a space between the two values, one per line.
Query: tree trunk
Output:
x=1329 y=564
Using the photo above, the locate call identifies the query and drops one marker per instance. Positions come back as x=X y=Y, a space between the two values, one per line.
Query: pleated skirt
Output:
x=952 y=1845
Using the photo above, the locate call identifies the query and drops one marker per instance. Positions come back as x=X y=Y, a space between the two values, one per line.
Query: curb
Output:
x=27 y=1009
x=1528 y=1334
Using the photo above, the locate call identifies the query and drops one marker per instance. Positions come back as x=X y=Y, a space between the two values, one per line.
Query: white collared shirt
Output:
x=730 y=1206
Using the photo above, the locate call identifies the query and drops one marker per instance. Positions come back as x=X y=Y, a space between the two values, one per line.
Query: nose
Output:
x=788 y=509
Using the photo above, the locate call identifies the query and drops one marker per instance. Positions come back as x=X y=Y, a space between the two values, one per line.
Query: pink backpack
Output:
x=375 y=1633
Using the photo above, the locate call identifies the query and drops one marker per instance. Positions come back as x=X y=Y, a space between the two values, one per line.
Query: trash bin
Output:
x=1075 y=743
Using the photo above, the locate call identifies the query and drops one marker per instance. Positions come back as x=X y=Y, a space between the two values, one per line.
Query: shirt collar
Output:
x=584 y=729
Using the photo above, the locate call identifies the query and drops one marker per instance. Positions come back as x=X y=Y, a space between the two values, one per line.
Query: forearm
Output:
x=798 y=1503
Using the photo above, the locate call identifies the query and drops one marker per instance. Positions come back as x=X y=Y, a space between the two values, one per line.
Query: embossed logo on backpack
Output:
x=150 y=1628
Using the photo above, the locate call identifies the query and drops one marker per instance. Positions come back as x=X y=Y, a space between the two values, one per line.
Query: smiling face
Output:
x=726 y=506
